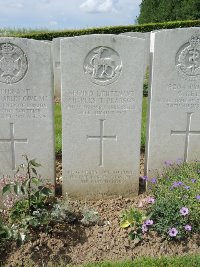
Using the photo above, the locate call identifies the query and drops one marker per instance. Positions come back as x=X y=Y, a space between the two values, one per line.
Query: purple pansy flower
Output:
x=188 y=227
x=187 y=187
x=175 y=184
x=148 y=222
x=153 y=180
x=198 y=197
x=193 y=180
x=184 y=211
x=172 y=232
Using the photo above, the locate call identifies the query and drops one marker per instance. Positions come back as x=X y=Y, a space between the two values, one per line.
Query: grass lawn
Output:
x=58 y=125
x=144 y=121
x=58 y=128
x=184 y=261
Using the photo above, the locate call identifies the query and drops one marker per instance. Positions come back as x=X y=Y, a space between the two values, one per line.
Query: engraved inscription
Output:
x=101 y=139
x=188 y=59
x=13 y=63
x=102 y=177
x=181 y=96
x=100 y=102
x=187 y=134
x=12 y=140
x=20 y=103
x=103 y=65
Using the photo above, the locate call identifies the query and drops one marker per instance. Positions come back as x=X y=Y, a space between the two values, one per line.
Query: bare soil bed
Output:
x=77 y=243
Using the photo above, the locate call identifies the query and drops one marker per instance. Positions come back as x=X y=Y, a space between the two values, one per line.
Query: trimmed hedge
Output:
x=49 y=35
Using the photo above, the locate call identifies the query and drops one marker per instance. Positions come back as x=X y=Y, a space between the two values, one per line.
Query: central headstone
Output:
x=102 y=78
x=26 y=106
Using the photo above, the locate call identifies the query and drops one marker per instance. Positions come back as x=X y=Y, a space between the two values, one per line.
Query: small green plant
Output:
x=27 y=201
x=90 y=216
x=138 y=221
x=27 y=190
x=62 y=211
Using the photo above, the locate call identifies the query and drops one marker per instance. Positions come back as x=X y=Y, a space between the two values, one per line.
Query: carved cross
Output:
x=187 y=134
x=12 y=142
x=101 y=139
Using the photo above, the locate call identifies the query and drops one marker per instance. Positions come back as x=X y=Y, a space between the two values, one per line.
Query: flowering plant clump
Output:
x=176 y=211
x=172 y=208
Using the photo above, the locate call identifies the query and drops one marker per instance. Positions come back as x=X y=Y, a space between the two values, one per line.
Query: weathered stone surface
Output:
x=174 y=128
x=102 y=77
x=146 y=37
x=26 y=105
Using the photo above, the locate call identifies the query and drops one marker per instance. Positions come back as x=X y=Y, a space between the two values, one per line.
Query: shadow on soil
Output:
x=43 y=248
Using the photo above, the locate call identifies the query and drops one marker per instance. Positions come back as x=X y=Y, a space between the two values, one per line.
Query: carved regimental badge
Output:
x=188 y=59
x=13 y=63
x=103 y=65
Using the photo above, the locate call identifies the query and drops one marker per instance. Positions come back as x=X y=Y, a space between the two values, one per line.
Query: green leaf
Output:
x=147 y=217
x=6 y=188
x=23 y=189
x=17 y=189
x=26 y=184
x=34 y=171
x=34 y=163
x=6 y=232
x=46 y=191
x=37 y=195
x=125 y=224
x=35 y=180
x=132 y=235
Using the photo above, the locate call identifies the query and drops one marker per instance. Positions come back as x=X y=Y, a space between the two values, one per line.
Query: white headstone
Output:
x=102 y=78
x=146 y=37
x=56 y=66
x=26 y=105
x=174 y=117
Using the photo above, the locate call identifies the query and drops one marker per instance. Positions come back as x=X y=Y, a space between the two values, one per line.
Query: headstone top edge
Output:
x=103 y=36
x=27 y=40
x=164 y=31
